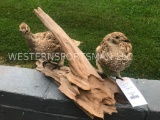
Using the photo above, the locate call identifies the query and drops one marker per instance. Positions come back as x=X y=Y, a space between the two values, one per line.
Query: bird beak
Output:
x=21 y=30
x=126 y=40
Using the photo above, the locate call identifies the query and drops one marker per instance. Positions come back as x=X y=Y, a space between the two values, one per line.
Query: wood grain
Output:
x=80 y=81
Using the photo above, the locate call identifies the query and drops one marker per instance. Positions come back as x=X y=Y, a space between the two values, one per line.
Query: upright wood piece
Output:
x=80 y=81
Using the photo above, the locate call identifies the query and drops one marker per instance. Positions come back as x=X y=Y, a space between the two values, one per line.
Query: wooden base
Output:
x=80 y=81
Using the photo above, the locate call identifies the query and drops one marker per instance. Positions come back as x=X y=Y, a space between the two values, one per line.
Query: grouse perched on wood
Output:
x=43 y=43
x=114 y=53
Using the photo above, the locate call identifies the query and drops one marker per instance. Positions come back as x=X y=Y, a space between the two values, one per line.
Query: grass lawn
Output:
x=88 y=21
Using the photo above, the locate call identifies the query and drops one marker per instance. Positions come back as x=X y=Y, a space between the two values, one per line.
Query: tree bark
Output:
x=80 y=81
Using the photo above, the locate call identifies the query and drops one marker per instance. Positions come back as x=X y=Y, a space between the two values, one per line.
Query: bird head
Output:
x=117 y=38
x=24 y=28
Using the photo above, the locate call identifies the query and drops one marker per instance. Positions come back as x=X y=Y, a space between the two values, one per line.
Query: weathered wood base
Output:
x=80 y=81
x=100 y=99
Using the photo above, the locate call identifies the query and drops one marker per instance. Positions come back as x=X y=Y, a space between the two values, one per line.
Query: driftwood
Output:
x=80 y=81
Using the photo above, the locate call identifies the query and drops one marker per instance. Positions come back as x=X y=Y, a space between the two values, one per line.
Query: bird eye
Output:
x=26 y=31
x=117 y=37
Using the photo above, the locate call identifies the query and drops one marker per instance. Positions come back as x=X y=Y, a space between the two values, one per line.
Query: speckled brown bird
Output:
x=114 y=53
x=43 y=42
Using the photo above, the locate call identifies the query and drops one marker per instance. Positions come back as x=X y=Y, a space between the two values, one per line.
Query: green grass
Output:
x=88 y=21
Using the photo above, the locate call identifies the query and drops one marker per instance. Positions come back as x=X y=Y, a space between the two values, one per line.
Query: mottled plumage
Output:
x=114 y=53
x=43 y=42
